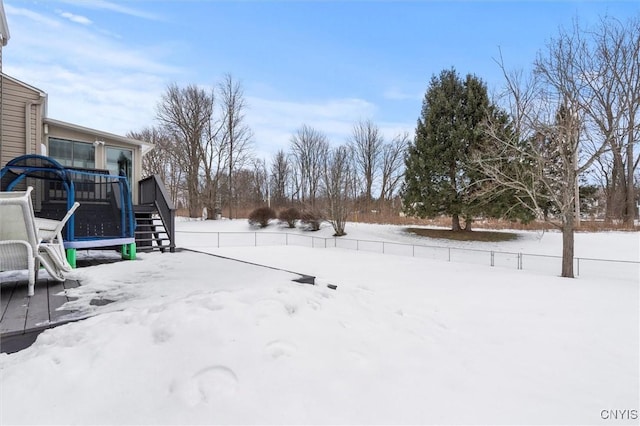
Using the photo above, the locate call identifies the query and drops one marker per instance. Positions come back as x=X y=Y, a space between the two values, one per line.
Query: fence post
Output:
x=383 y=247
x=413 y=250
x=449 y=249
x=519 y=261
x=218 y=240
x=325 y=243
x=492 y=258
x=578 y=259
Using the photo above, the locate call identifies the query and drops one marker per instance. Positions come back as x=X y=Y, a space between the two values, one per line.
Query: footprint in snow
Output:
x=278 y=349
x=207 y=385
x=314 y=304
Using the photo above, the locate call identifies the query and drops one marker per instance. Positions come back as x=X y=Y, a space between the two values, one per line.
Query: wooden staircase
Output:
x=151 y=234
x=155 y=217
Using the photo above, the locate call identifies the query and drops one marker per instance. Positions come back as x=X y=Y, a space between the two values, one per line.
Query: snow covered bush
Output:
x=311 y=220
x=289 y=216
x=261 y=216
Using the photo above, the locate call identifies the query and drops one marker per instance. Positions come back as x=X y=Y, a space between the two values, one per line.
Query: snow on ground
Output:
x=603 y=245
x=197 y=339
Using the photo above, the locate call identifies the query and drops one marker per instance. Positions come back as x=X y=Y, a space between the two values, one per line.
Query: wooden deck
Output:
x=23 y=318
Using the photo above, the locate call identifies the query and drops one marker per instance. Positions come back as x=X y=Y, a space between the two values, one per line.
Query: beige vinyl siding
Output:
x=15 y=98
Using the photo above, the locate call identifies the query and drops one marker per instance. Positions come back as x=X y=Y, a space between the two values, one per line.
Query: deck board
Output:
x=38 y=308
x=56 y=300
x=25 y=317
x=15 y=317
x=5 y=296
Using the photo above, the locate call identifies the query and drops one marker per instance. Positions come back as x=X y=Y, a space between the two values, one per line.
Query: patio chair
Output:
x=21 y=244
x=52 y=243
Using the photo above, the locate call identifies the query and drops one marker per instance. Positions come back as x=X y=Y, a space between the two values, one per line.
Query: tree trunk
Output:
x=455 y=223
x=193 y=198
x=630 y=215
x=618 y=188
x=567 y=244
x=467 y=224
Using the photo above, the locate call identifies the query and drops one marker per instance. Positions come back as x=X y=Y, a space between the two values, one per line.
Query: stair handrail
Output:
x=153 y=191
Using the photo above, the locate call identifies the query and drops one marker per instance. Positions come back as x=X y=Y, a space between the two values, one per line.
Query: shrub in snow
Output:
x=311 y=220
x=289 y=216
x=261 y=216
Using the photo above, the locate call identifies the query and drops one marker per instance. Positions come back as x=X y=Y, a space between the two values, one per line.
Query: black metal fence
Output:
x=548 y=264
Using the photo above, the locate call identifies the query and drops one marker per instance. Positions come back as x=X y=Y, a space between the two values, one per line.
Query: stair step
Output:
x=144 y=208
x=147 y=249
x=149 y=220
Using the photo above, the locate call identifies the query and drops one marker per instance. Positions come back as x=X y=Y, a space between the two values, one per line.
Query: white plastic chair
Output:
x=23 y=245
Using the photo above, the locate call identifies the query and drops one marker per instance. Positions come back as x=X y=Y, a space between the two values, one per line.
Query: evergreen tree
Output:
x=440 y=176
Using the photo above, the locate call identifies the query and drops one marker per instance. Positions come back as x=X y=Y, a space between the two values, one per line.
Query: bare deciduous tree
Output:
x=618 y=51
x=599 y=68
x=366 y=142
x=235 y=133
x=261 y=181
x=309 y=148
x=161 y=159
x=535 y=151
x=337 y=179
x=392 y=164
x=185 y=113
x=280 y=175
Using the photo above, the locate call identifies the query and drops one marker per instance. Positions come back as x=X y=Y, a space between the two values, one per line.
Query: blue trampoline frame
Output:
x=54 y=171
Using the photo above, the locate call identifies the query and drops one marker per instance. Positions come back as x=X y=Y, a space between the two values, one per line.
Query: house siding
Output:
x=22 y=109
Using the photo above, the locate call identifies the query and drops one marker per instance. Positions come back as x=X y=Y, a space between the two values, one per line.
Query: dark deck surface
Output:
x=23 y=318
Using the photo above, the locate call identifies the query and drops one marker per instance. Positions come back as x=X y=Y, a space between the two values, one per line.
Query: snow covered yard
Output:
x=193 y=338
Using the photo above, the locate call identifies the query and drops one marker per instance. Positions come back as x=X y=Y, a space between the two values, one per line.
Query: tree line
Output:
x=203 y=153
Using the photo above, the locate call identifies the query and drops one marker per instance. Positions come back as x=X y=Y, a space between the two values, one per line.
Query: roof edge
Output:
x=42 y=93
x=4 y=27
x=96 y=132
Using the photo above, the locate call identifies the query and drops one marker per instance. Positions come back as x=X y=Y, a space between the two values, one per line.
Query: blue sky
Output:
x=328 y=64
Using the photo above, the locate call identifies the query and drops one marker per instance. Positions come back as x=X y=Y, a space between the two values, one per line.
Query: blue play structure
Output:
x=105 y=217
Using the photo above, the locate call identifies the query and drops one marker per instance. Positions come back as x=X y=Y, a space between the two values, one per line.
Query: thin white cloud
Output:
x=31 y=15
x=79 y=47
x=113 y=7
x=91 y=79
x=78 y=19
x=275 y=121
x=118 y=102
x=396 y=94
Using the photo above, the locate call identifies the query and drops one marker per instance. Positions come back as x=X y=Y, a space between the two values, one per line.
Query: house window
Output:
x=119 y=161
x=72 y=153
